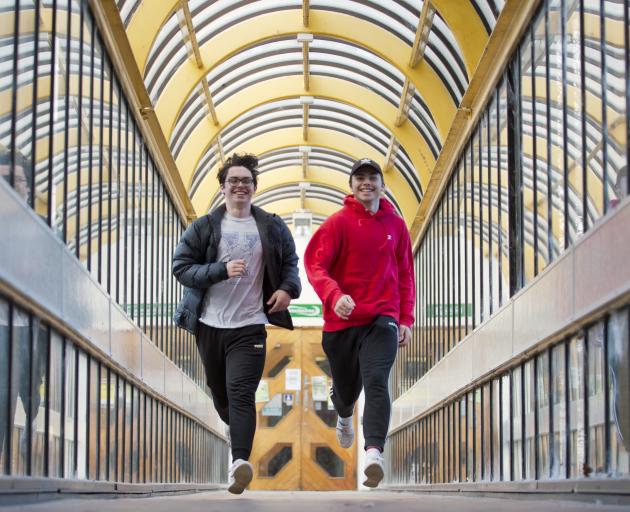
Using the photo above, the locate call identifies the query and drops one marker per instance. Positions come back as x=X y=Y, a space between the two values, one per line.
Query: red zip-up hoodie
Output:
x=367 y=257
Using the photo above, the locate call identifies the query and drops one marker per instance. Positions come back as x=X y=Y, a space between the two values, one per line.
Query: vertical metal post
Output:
x=515 y=185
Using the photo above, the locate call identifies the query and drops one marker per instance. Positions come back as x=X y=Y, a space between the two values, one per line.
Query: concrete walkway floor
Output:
x=265 y=501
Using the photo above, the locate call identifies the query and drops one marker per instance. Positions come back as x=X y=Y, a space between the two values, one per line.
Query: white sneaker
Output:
x=241 y=473
x=345 y=431
x=373 y=468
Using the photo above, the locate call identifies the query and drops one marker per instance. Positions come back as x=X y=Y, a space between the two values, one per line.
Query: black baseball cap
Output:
x=366 y=163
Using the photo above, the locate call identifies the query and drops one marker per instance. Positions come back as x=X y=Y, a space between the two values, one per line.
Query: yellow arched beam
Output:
x=203 y=136
x=593 y=106
x=42 y=144
x=289 y=206
x=27 y=22
x=595 y=186
x=290 y=137
x=144 y=26
x=293 y=174
x=483 y=210
x=460 y=17
x=271 y=26
x=467 y=28
x=279 y=187
x=320 y=138
x=25 y=92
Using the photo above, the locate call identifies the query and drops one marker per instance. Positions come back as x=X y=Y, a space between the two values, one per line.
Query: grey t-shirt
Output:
x=237 y=301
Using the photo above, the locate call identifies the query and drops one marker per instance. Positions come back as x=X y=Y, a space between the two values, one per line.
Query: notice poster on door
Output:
x=273 y=407
x=293 y=379
x=320 y=388
x=262 y=393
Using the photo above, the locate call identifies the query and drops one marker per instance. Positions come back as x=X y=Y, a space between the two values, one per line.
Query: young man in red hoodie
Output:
x=360 y=264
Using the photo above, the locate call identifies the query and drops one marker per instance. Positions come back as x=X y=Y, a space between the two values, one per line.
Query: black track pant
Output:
x=234 y=360
x=363 y=357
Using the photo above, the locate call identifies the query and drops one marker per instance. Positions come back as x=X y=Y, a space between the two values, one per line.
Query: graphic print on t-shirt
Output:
x=238 y=246
x=237 y=301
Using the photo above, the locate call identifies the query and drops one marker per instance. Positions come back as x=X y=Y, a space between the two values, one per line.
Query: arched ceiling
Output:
x=308 y=86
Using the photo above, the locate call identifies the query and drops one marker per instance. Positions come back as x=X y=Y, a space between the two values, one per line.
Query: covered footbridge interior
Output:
x=502 y=129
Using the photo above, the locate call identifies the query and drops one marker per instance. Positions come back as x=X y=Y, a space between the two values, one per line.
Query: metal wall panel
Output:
x=600 y=275
x=84 y=305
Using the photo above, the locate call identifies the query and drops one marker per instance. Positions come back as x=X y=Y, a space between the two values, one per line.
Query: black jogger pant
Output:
x=363 y=357
x=234 y=360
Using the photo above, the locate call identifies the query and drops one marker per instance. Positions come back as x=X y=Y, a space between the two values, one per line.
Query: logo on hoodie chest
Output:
x=389 y=240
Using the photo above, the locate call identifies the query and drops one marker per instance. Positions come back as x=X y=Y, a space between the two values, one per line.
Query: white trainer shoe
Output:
x=241 y=473
x=345 y=431
x=373 y=468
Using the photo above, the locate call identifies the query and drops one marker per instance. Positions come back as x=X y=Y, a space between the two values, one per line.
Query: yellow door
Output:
x=296 y=447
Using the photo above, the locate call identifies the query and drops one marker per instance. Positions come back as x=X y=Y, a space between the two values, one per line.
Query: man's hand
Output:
x=279 y=301
x=236 y=268
x=344 y=307
x=404 y=336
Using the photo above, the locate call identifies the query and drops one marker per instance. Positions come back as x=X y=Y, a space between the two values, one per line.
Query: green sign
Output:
x=306 y=310
x=167 y=310
x=448 y=310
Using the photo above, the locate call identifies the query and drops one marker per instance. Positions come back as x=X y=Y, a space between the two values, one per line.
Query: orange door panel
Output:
x=296 y=447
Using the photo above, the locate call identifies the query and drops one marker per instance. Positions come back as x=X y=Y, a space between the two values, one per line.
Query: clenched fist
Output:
x=236 y=268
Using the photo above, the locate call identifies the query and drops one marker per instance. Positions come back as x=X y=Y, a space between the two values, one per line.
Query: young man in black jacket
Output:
x=239 y=267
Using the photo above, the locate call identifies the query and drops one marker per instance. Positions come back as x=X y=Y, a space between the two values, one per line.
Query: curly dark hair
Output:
x=245 y=160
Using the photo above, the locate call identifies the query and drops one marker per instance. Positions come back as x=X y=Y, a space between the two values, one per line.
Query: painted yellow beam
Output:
x=317 y=174
x=25 y=95
x=107 y=19
x=202 y=137
x=271 y=26
x=460 y=16
x=319 y=138
x=593 y=105
x=288 y=206
x=467 y=27
x=145 y=25
x=505 y=37
x=283 y=187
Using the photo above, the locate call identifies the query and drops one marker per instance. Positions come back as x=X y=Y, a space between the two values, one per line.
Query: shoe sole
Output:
x=374 y=474
x=242 y=476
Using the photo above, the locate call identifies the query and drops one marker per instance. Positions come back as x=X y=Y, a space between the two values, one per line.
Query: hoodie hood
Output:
x=384 y=207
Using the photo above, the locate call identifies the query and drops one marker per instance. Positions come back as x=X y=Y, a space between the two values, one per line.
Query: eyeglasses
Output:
x=235 y=181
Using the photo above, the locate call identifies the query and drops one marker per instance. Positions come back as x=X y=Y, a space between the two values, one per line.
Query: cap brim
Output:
x=366 y=167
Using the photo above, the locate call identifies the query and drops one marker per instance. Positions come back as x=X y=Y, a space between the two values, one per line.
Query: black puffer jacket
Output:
x=195 y=265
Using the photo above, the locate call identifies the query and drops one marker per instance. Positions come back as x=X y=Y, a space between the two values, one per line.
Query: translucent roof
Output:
x=309 y=87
